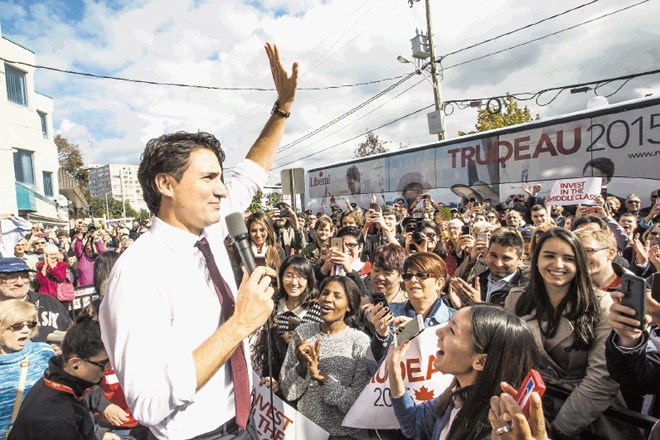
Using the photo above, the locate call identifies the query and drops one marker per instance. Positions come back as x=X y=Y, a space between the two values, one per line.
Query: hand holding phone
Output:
x=532 y=382
x=634 y=289
x=412 y=328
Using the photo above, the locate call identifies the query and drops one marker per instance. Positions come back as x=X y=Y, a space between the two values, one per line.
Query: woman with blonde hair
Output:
x=22 y=362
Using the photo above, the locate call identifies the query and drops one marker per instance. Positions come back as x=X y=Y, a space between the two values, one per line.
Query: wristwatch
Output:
x=277 y=111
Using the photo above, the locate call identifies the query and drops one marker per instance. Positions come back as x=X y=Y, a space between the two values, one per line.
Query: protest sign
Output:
x=373 y=408
x=583 y=191
x=289 y=423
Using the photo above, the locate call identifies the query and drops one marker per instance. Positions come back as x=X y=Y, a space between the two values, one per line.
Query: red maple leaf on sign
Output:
x=423 y=394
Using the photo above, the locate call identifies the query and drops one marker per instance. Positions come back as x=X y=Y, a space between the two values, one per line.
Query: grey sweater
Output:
x=342 y=356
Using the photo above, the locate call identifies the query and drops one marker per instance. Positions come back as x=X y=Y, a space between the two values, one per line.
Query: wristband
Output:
x=277 y=111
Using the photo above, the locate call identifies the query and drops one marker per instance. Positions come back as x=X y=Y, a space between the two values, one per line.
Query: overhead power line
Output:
x=193 y=86
x=518 y=96
x=545 y=36
x=519 y=29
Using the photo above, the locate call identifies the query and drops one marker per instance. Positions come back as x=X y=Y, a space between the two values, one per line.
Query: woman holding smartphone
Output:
x=569 y=320
x=424 y=276
x=265 y=249
x=295 y=304
x=473 y=347
x=324 y=369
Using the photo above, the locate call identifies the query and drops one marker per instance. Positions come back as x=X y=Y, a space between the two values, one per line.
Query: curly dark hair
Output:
x=170 y=154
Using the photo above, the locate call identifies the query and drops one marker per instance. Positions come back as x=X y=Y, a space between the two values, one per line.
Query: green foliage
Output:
x=257 y=201
x=71 y=161
x=142 y=214
x=115 y=208
x=369 y=146
x=511 y=114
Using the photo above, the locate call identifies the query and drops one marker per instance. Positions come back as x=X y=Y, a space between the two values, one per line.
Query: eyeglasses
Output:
x=590 y=251
x=418 y=275
x=292 y=276
x=10 y=277
x=40 y=242
x=351 y=245
x=634 y=202
x=19 y=326
x=101 y=364
x=430 y=235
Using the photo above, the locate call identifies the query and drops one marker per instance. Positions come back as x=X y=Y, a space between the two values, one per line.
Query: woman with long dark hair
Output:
x=481 y=346
x=568 y=318
x=294 y=305
x=264 y=245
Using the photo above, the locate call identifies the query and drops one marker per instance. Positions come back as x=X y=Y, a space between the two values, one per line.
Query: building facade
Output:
x=119 y=182
x=29 y=184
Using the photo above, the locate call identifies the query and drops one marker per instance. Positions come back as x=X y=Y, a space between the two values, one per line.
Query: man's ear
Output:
x=479 y=362
x=164 y=184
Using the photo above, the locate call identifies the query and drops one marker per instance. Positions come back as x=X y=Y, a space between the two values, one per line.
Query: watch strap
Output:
x=277 y=111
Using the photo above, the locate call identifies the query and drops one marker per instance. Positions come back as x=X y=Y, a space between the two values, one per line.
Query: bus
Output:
x=618 y=142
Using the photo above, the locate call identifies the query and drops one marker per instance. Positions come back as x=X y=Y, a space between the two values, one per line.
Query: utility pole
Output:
x=437 y=90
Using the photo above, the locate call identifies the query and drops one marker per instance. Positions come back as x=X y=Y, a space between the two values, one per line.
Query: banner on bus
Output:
x=373 y=408
x=289 y=423
x=619 y=145
x=584 y=191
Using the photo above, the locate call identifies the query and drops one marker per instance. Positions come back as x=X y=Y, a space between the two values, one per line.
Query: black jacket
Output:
x=51 y=315
x=47 y=413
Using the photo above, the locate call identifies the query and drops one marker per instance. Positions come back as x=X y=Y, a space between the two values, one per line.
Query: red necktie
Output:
x=237 y=361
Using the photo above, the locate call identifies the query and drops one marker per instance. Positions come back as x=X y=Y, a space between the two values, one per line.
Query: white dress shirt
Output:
x=161 y=305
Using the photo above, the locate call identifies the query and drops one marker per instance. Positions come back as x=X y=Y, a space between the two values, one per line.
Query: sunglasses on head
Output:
x=418 y=275
x=19 y=325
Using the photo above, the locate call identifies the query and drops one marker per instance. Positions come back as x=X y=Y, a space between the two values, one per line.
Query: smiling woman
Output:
x=569 y=320
x=19 y=356
x=473 y=347
x=325 y=369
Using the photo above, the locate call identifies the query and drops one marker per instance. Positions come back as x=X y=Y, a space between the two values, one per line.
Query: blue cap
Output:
x=13 y=264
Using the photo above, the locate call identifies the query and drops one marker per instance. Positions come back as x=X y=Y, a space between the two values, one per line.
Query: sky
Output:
x=336 y=42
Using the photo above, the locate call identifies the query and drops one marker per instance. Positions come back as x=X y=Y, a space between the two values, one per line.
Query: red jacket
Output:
x=48 y=283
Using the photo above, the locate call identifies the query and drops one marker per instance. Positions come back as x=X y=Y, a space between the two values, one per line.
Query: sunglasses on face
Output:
x=19 y=325
x=101 y=364
x=418 y=275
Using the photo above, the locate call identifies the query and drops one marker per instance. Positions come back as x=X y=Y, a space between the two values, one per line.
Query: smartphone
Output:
x=294 y=322
x=374 y=206
x=260 y=261
x=445 y=213
x=532 y=382
x=337 y=243
x=588 y=210
x=655 y=286
x=410 y=330
x=634 y=289
x=484 y=236
x=466 y=230
x=379 y=298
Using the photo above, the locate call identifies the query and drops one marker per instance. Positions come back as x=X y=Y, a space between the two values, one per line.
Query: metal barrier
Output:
x=84 y=296
x=628 y=416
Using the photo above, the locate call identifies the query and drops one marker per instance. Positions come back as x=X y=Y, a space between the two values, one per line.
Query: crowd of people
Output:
x=542 y=284
x=164 y=352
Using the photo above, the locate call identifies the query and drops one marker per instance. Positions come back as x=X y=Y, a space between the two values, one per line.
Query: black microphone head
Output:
x=235 y=224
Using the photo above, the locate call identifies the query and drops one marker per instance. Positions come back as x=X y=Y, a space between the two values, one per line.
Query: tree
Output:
x=142 y=214
x=71 y=161
x=511 y=114
x=369 y=146
x=115 y=208
x=271 y=199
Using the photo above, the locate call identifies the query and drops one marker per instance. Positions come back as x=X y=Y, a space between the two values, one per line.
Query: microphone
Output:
x=238 y=232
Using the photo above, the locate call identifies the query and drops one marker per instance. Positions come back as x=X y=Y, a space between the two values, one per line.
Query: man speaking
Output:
x=173 y=321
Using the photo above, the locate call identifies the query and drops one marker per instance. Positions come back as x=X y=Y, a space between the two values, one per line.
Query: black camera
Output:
x=414 y=224
x=91 y=227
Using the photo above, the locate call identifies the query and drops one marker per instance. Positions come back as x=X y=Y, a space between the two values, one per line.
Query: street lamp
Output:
x=107 y=211
x=418 y=71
